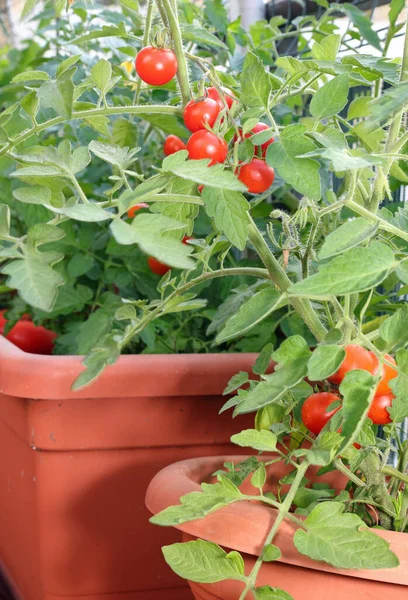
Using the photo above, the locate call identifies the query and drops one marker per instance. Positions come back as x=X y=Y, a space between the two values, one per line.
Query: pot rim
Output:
x=243 y=526
x=25 y=375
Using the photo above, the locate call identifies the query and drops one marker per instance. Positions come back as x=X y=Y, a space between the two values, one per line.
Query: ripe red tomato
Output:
x=213 y=93
x=173 y=144
x=200 y=112
x=157 y=267
x=156 y=66
x=186 y=238
x=388 y=373
x=200 y=189
x=133 y=210
x=3 y=320
x=357 y=357
x=378 y=412
x=314 y=410
x=204 y=144
x=256 y=175
x=30 y=338
x=257 y=129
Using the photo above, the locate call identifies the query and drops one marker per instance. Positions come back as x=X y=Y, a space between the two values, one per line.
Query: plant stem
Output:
x=340 y=466
x=382 y=223
x=283 y=512
x=302 y=306
x=86 y=114
x=392 y=137
x=182 y=72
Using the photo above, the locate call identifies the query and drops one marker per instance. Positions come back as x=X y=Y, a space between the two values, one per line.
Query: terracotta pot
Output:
x=243 y=526
x=76 y=465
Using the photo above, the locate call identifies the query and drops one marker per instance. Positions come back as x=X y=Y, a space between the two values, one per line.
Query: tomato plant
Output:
x=256 y=175
x=258 y=129
x=156 y=66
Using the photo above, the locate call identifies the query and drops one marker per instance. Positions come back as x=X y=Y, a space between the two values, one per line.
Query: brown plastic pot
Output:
x=75 y=467
x=243 y=526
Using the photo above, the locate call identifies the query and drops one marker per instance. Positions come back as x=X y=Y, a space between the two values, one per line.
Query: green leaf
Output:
x=96 y=326
x=385 y=106
x=356 y=270
x=91 y=213
x=201 y=36
x=30 y=104
x=202 y=562
x=342 y=159
x=394 y=330
x=197 y=505
x=359 y=107
x=216 y=13
x=31 y=76
x=396 y=8
x=252 y=312
x=169 y=124
x=4 y=221
x=325 y=361
x=293 y=356
x=230 y=213
x=321 y=453
x=271 y=553
x=264 y=441
x=267 y=592
x=399 y=386
x=36 y=282
x=235 y=382
x=105 y=353
x=67 y=64
x=363 y=24
x=42 y=233
x=263 y=361
x=106 y=31
x=350 y=234
x=258 y=479
x=58 y=95
x=301 y=173
x=328 y=48
x=342 y=540
x=101 y=74
x=79 y=264
x=29 y=6
x=255 y=82
x=215 y=176
x=113 y=154
x=357 y=389
x=331 y=98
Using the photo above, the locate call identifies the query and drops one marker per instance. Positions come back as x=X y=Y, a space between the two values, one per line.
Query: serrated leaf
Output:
x=396 y=7
x=302 y=173
x=201 y=36
x=36 y=282
x=356 y=270
x=342 y=540
x=263 y=361
x=264 y=441
x=252 y=312
x=350 y=234
x=215 y=176
x=363 y=24
x=235 y=382
x=101 y=74
x=271 y=553
x=113 y=154
x=267 y=592
x=230 y=213
x=202 y=562
x=30 y=104
x=359 y=107
x=255 y=83
x=331 y=98
x=357 y=389
x=321 y=453
x=67 y=64
x=325 y=361
x=399 y=386
x=328 y=48
x=394 y=330
x=31 y=76
x=91 y=213
x=58 y=95
x=258 y=479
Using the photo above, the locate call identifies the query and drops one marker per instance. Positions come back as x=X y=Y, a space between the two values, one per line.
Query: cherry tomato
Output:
x=204 y=144
x=357 y=357
x=257 y=129
x=200 y=189
x=133 y=210
x=213 y=93
x=30 y=338
x=156 y=66
x=157 y=267
x=3 y=320
x=199 y=113
x=388 y=373
x=186 y=238
x=256 y=175
x=314 y=410
x=173 y=144
x=378 y=412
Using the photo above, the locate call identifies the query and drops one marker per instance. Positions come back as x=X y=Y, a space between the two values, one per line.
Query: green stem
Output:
x=79 y=190
x=340 y=466
x=392 y=137
x=382 y=223
x=302 y=306
x=395 y=473
x=284 y=511
x=94 y=112
x=182 y=72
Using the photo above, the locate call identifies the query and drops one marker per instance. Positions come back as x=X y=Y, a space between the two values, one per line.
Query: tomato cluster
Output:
x=317 y=409
x=29 y=337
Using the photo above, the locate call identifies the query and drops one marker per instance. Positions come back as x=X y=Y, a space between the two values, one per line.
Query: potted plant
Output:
x=324 y=511
x=80 y=447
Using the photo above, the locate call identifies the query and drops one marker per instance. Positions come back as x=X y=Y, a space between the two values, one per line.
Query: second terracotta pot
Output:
x=243 y=526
